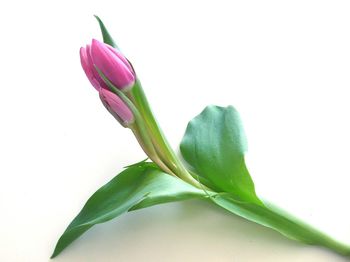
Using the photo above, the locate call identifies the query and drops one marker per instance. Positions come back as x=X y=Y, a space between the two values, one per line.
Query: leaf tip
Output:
x=54 y=254
x=107 y=38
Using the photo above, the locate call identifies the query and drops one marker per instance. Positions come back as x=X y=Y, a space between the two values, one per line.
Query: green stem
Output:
x=163 y=148
x=148 y=133
x=138 y=127
x=149 y=150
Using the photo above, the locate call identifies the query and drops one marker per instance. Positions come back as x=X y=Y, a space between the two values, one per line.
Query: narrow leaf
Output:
x=280 y=221
x=214 y=145
x=139 y=186
x=107 y=38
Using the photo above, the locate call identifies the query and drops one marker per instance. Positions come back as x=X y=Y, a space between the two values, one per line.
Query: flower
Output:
x=110 y=62
x=116 y=107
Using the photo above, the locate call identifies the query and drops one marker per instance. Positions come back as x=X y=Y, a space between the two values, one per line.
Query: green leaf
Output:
x=278 y=220
x=214 y=145
x=138 y=163
x=107 y=38
x=141 y=185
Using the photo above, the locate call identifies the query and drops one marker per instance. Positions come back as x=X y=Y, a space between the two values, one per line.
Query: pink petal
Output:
x=120 y=56
x=111 y=65
x=95 y=74
x=116 y=107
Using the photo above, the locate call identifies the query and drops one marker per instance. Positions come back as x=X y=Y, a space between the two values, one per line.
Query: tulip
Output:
x=110 y=62
x=115 y=105
x=113 y=65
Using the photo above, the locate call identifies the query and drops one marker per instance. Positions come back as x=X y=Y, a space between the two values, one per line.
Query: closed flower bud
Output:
x=112 y=64
x=117 y=107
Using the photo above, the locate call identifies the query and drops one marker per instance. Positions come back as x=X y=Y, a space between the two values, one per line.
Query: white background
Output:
x=283 y=64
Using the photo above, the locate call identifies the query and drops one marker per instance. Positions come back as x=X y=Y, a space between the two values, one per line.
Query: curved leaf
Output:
x=141 y=185
x=280 y=221
x=107 y=38
x=214 y=145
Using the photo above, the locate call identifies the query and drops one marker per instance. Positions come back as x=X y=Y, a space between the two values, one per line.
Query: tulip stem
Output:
x=149 y=134
x=138 y=127
x=165 y=152
x=150 y=153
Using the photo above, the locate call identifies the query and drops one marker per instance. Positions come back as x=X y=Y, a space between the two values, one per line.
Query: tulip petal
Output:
x=90 y=70
x=111 y=65
x=121 y=57
x=116 y=107
x=87 y=69
x=96 y=76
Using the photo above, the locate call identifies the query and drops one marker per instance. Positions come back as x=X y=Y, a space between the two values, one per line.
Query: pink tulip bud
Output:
x=112 y=64
x=116 y=107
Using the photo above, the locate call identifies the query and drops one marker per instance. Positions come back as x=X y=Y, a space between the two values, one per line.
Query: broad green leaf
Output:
x=214 y=145
x=278 y=220
x=141 y=185
x=107 y=38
